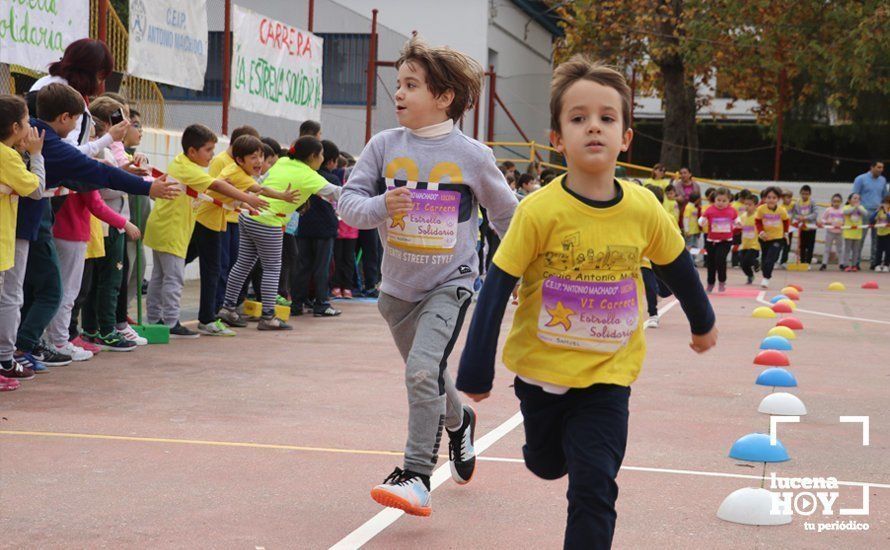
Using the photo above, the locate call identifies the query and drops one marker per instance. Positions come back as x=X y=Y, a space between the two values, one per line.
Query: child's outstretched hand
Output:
x=477 y=397
x=398 y=201
x=256 y=202
x=703 y=342
x=289 y=195
x=163 y=189
x=33 y=142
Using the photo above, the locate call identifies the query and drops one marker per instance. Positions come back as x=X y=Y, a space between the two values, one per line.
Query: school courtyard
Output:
x=274 y=440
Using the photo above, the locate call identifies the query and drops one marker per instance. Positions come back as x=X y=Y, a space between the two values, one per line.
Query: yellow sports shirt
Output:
x=749 y=232
x=772 y=221
x=578 y=321
x=171 y=222
x=15 y=175
x=219 y=163
x=854 y=216
x=214 y=217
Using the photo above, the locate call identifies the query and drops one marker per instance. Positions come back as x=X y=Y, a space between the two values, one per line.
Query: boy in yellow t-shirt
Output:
x=671 y=206
x=749 y=247
x=772 y=227
x=577 y=343
x=211 y=222
x=171 y=222
x=15 y=181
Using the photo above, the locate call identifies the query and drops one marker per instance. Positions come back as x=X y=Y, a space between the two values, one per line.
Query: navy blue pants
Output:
x=205 y=245
x=582 y=433
x=228 y=255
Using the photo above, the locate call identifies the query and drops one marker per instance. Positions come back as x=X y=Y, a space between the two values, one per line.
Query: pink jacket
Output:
x=73 y=219
x=346 y=231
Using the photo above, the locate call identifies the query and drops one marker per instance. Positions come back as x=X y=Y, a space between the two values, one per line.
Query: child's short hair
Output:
x=750 y=197
x=509 y=164
x=722 y=192
x=134 y=113
x=305 y=147
x=669 y=190
x=771 y=189
x=656 y=190
x=268 y=151
x=744 y=194
x=710 y=192
x=103 y=106
x=243 y=131
x=117 y=97
x=246 y=145
x=310 y=128
x=331 y=151
x=787 y=193
x=446 y=69
x=12 y=109
x=806 y=188
x=274 y=145
x=694 y=197
x=524 y=179
x=197 y=136
x=581 y=67
x=840 y=197
x=56 y=99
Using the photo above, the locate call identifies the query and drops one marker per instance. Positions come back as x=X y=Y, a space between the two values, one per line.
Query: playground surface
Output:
x=274 y=440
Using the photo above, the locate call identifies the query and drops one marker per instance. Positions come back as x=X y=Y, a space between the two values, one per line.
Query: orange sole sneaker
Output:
x=390 y=500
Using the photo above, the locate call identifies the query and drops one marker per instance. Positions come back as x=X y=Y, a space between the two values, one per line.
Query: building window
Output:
x=344 y=69
x=213 y=77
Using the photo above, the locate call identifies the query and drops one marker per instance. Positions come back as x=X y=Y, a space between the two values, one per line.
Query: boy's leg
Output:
x=208 y=249
x=305 y=263
x=43 y=284
x=746 y=261
x=321 y=270
x=71 y=259
x=120 y=311
x=11 y=299
x=268 y=245
x=650 y=283
x=720 y=251
x=88 y=304
x=171 y=287
x=543 y=418
x=595 y=438
x=433 y=400
x=736 y=242
x=108 y=280
x=229 y=245
x=153 y=310
x=710 y=262
x=247 y=256
x=772 y=251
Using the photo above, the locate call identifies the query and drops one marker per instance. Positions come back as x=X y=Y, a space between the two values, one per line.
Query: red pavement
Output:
x=328 y=401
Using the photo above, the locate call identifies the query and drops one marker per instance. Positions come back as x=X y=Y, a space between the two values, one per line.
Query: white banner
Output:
x=168 y=41
x=35 y=33
x=276 y=68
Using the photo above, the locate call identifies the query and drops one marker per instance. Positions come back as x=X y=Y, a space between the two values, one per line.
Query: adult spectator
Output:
x=872 y=188
x=686 y=186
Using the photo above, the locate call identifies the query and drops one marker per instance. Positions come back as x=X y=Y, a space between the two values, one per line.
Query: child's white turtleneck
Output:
x=434 y=131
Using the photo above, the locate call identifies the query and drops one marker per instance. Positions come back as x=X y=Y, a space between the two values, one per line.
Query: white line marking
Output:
x=774 y=422
x=694 y=472
x=811 y=312
x=388 y=516
x=864 y=420
x=667 y=307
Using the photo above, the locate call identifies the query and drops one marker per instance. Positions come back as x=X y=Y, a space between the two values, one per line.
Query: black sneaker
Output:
x=15 y=370
x=180 y=331
x=327 y=312
x=50 y=357
x=373 y=293
x=461 y=455
x=114 y=341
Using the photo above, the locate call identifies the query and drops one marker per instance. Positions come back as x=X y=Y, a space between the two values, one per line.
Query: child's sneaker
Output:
x=336 y=293
x=721 y=287
x=461 y=455
x=50 y=357
x=282 y=301
x=750 y=279
x=327 y=312
x=405 y=490
x=25 y=366
x=8 y=384
x=76 y=353
x=130 y=335
x=823 y=267
x=231 y=317
x=216 y=328
x=848 y=269
x=180 y=331
x=347 y=294
x=710 y=289
x=651 y=322
x=764 y=283
x=83 y=344
x=17 y=370
x=115 y=341
x=273 y=323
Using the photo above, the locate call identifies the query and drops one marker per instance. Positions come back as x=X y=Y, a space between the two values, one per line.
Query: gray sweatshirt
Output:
x=434 y=245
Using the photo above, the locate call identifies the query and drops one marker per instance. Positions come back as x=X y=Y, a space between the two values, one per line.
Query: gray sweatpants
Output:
x=165 y=288
x=71 y=262
x=425 y=333
x=11 y=299
x=833 y=241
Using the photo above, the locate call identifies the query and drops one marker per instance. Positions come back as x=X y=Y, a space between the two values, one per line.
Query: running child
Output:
x=650 y=280
x=420 y=185
x=788 y=204
x=833 y=220
x=577 y=246
x=881 y=221
x=671 y=206
x=772 y=227
x=749 y=246
x=854 y=217
x=718 y=221
x=804 y=215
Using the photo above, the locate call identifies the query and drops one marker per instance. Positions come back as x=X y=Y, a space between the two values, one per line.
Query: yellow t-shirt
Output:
x=772 y=221
x=219 y=163
x=690 y=220
x=96 y=244
x=171 y=222
x=673 y=210
x=578 y=321
x=214 y=217
x=662 y=183
x=15 y=175
x=883 y=217
x=854 y=216
x=749 y=232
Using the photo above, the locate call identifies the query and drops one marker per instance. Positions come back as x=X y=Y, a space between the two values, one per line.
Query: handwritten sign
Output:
x=168 y=41
x=276 y=68
x=35 y=33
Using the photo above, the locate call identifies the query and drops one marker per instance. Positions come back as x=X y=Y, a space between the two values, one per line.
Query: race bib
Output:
x=431 y=226
x=721 y=225
x=749 y=232
x=772 y=220
x=595 y=316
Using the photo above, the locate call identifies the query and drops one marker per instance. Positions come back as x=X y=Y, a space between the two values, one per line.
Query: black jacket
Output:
x=320 y=221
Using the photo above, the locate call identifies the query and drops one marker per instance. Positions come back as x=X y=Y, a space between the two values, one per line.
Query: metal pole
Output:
x=102 y=30
x=372 y=73
x=311 y=15
x=780 y=123
x=227 y=66
x=492 y=79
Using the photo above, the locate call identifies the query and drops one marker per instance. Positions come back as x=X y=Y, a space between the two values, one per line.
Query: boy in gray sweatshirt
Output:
x=420 y=186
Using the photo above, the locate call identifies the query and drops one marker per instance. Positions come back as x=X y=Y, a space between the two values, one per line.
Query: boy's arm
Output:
x=682 y=278
x=494 y=195
x=360 y=205
x=476 y=371
x=225 y=188
x=38 y=169
x=65 y=163
x=93 y=148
